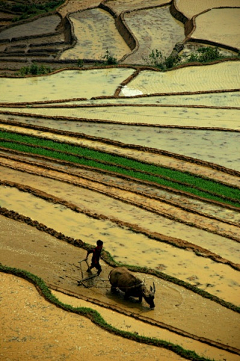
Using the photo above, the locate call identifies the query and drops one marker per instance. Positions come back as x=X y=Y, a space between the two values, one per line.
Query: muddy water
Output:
x=40 y=26
x=96 y=33
x=91 y=83
x=128 y=247
x=126 y=5
x=219 y=26
x=82 y=84
x=191 y=8
x=198 y=78
x=154 y=29
x=224 y=99
x=157 y=116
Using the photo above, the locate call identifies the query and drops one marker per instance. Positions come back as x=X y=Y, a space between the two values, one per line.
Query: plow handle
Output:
x=84 y=260
x=80 y=263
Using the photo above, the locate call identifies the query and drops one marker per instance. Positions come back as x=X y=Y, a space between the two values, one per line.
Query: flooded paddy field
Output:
x=188 y=79
x=224 y=99
x=217 y=32
x=158 y=27
x=191 y=8
x=96 y=33
x=177 y=229
x=148 y=116
x=40 y=26
x=125 y=6
x=52 y=87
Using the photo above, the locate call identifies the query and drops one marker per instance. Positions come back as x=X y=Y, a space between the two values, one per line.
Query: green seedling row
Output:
x=183 y=181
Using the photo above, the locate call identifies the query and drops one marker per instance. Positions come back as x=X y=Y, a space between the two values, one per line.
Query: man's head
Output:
x=100 y=243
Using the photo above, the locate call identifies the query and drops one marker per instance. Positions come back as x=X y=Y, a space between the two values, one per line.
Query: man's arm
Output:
x=88 y=252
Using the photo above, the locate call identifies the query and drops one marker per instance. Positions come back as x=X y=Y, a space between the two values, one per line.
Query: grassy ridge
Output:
x=182 y=181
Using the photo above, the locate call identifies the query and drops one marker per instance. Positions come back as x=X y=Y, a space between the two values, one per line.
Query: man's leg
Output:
x=89 y=268
x=99 y=268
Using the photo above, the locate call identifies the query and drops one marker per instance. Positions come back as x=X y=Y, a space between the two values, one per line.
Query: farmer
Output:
x=95 y=257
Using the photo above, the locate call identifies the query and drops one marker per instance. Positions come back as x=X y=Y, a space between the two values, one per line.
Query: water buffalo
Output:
x=124 y=280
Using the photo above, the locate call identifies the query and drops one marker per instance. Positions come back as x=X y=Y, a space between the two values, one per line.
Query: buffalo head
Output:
x=148 y=295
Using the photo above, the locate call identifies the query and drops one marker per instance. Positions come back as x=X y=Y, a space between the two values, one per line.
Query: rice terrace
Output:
x=119 y=121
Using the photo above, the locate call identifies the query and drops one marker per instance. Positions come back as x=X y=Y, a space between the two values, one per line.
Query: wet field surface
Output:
x=185 y=119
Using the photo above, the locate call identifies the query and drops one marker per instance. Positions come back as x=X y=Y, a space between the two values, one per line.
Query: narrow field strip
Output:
x=171 y=178
x=75 y=6
x=42 y=26
x=93 y=198
x=218 y=99
x=115 y=105
x=224 y=119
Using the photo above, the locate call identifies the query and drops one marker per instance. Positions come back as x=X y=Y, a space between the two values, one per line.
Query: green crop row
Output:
x=182 y=181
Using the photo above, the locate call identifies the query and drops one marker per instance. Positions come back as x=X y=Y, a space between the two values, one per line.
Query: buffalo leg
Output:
x=127 y=295
x=113 y=289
